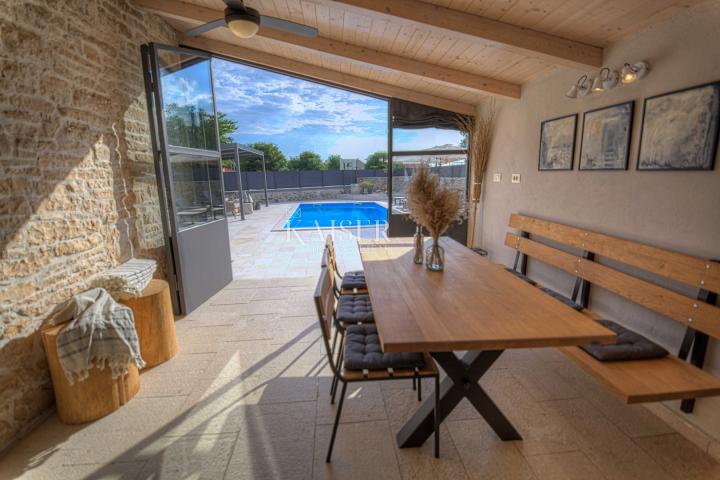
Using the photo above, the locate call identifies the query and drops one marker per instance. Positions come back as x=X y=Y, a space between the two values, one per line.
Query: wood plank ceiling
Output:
x=420 y=51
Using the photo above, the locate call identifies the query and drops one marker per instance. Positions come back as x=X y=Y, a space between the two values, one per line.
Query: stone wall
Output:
x=282 y=195
x=400 y=183
x=77 y=183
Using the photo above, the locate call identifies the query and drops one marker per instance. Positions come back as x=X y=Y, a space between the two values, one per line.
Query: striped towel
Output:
x=128 y=279
x=101 y=332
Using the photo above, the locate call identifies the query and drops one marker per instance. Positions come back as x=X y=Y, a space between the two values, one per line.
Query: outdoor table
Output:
x=473 y=306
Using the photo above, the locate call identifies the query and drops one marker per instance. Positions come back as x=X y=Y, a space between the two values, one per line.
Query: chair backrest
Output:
x=331 y=257
x=325 y=302
x=699 y=313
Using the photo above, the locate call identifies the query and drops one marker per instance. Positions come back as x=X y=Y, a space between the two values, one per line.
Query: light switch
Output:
x=515 y=178
x=497 y=177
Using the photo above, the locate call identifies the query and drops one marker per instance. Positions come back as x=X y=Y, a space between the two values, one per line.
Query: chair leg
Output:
x=333 y=388
x=337 y=421
x=419 y=389
x=414 y=384
x=436 y=414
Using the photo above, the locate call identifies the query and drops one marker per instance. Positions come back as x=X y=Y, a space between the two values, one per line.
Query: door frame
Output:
x=401 y=225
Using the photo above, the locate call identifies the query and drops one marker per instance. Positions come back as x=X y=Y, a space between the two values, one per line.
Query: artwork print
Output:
x=557 y=143
x=680 y=130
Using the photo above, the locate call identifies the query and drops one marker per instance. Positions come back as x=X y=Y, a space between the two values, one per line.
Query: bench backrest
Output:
x=700 y=273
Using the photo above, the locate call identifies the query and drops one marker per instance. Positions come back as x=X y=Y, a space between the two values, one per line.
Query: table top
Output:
x=473 y=304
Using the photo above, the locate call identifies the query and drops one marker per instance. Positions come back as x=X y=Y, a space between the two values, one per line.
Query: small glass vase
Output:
x=435 y=257
x=419 y=242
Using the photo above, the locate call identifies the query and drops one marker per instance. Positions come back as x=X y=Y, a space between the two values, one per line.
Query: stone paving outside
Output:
x=247 y=398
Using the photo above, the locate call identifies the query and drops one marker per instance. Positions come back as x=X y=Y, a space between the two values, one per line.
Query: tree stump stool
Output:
x=92 y=398
x=154 y=322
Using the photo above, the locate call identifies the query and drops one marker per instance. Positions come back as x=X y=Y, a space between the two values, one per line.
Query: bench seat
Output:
x=639 y=381
x=636 y=381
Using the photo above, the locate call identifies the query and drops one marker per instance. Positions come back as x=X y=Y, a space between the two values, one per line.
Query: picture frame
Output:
x=557 y=143
x=680 y=129
x=606 y=136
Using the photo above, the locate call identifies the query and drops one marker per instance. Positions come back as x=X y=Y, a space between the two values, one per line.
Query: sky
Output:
x=299 y=115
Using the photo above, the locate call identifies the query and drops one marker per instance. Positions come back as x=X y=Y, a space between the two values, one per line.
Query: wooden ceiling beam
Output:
x=456 y=78
x=551 y=48
x=323 y=74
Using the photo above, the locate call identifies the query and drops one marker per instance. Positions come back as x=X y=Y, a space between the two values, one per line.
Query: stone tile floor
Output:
x=247 y=398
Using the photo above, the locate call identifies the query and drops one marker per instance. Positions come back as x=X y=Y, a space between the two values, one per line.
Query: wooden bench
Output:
x=636 y=381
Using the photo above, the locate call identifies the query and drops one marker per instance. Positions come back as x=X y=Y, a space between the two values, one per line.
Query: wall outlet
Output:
x=515 y=178
x=497 y=177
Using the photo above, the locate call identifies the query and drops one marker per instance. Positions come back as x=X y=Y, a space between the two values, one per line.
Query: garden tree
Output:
x=307 y=160
x=398 y=166
x=226 y=126
x=275 y=160
x=333 y=162
x=376 y=161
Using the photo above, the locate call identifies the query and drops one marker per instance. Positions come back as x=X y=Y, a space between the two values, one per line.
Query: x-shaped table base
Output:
x=461 y=382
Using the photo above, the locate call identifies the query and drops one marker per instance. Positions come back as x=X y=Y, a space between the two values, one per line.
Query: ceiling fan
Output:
x=245 y=21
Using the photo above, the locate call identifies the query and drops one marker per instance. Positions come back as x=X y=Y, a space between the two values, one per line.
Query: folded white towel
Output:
x=126 y=280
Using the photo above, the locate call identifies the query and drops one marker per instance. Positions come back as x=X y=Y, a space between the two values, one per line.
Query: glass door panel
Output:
x=188 y=163
x=444 y=152
x=187 y=95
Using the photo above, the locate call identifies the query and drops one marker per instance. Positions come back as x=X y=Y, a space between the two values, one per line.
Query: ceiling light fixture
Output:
x=243 y=23
x=633 y=72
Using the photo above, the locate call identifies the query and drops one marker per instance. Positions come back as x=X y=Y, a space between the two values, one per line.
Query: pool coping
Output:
x=278 y=226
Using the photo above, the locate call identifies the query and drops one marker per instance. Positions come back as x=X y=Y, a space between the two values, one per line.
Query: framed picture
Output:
x=605 y=139
x=680 y=129
x=557 y=143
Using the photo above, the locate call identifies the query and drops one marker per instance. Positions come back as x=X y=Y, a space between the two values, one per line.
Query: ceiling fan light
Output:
x=243 y=24
x=243 y=28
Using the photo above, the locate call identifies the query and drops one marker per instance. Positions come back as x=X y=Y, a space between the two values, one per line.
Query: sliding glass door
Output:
x=420 y=135
x=181 y=102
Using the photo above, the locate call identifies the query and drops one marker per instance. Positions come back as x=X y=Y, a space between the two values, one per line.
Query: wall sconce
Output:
x=633 y=72
x=581 y=87
x=604 y=80
x=607 y=79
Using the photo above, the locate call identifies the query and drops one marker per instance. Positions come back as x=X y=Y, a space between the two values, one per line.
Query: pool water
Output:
x=345 y=214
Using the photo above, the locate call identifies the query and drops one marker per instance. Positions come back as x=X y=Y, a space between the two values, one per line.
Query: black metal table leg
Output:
x=462 y=379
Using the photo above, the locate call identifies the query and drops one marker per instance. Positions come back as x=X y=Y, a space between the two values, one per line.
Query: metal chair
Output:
x=366 y=361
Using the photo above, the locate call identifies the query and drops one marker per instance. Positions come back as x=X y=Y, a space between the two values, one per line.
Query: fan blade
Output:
x=220 y=22
x=288 y=26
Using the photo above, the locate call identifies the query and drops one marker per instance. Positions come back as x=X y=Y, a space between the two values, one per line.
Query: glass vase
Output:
x=435 y=257
x=419 y=242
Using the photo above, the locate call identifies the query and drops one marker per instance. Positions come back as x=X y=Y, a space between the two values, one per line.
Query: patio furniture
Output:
x=472 y=306
x=350 y=282
x=364 y=359
x=96 y=396
x=154 y=322
x=636 y=381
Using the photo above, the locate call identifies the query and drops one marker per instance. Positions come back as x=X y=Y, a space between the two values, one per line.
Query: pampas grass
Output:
x=431 y=204
x=479 y=130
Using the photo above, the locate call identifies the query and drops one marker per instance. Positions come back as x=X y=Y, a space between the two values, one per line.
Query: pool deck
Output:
x=259 y=250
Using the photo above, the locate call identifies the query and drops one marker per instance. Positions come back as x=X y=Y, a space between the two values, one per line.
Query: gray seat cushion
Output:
x=562 y=298
x=630 y=346
x=521 y=276
x=363 y=352
x=354 y=309
x=353 y=280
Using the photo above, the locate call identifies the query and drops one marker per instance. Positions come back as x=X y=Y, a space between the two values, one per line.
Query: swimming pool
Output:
x=337 y=214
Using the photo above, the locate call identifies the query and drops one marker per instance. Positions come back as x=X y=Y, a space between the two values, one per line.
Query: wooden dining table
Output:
x=474 y=306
